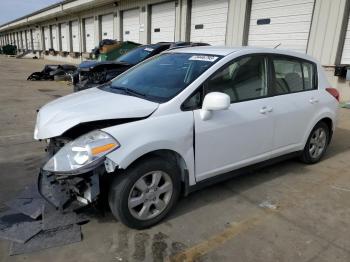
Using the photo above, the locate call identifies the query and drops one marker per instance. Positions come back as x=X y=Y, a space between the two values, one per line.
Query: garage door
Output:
x=54 y=33
x=163 y=22
x=75 y=36
x=281 y=22
x=345 y=57
x=89 y=30
x=107 y=26
x=13 y=38
x=131 y=25
x=17 y=41
x=36 y=39
x=29 y=40
x=24 y=43
x=64 y=37
x=47 y=40
x=208 y=21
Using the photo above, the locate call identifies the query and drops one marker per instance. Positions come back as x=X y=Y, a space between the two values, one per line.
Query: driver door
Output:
x=242 y=135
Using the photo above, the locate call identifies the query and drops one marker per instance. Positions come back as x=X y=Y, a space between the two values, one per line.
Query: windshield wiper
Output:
x=132 y=91
x=107 y=84
x=129 y=91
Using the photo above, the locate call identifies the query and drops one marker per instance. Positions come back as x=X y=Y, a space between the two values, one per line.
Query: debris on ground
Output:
x=48 y=239
x=21 y=232
x=268 y=204
x=33 y=224
x=53 y=218
x=29 y=203
x=11 y=217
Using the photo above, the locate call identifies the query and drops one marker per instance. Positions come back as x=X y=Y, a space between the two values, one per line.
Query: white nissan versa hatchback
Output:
x=179 y=121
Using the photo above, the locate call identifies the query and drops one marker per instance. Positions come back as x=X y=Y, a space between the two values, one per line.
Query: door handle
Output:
x=313 y=100
x=265 y=110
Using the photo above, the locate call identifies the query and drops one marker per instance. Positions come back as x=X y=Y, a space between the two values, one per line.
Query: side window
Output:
x=293 y=76
x=194 y=101
x=288 y=76
x=244 y=79
x=309 y=76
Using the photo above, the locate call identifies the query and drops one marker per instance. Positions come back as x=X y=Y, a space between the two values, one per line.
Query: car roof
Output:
x=225 y=51
x=173 y=44
x=154 y=45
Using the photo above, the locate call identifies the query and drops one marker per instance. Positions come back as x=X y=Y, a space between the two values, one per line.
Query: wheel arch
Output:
x=183 y=164
x=166 y=154
x=329 y=122
x=327 y=117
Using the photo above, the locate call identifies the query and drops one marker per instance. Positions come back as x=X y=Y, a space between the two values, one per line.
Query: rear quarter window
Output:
x=293 y=75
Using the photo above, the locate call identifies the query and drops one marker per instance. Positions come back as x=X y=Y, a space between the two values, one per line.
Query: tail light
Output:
x=334 y=92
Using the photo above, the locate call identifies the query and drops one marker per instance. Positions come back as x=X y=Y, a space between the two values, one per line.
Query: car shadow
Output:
x=232 y=187
x=239 y=184
x=340 y=143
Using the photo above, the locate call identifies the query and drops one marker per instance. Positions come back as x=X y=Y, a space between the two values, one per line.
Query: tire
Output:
x=154 y=204
x=318 y=142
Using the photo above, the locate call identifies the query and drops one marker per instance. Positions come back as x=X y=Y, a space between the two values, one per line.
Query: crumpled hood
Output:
x=89 y=105
x=90 y=64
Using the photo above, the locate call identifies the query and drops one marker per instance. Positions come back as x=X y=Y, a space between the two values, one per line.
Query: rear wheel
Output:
x=317 y=144
x=145 y=194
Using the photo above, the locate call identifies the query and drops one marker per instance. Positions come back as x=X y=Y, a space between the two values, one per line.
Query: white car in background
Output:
x=181 y=120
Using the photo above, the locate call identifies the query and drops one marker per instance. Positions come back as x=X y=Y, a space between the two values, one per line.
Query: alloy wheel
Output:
x=150 y=195
x=317 y=143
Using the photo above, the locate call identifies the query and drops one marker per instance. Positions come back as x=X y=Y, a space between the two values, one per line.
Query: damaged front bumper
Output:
x=82 y=85
x=64 y=190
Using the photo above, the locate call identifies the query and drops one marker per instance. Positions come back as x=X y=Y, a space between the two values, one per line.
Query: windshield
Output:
x=136 y=55
x=164 y=76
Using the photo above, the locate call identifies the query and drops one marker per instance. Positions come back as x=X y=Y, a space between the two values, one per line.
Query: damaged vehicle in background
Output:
x=93 y=73
x=54 y=72
x=179 y=121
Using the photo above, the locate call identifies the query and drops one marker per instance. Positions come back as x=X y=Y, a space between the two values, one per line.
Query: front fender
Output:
x=171 y=132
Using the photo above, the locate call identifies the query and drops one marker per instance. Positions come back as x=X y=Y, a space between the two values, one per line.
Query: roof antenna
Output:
x=277 y=46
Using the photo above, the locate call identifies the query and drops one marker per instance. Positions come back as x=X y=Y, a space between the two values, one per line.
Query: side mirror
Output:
x=213 y=102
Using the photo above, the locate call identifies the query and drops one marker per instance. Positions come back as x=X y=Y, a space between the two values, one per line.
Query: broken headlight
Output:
x=82 y=155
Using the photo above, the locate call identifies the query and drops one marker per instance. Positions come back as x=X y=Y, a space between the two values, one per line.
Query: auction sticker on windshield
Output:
x=206 y=58
x=148 y=49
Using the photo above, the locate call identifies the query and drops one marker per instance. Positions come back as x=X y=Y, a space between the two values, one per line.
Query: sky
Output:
x=12 y=9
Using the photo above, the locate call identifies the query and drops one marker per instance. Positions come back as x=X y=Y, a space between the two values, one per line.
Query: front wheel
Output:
x=317 y=144
x=145 y=193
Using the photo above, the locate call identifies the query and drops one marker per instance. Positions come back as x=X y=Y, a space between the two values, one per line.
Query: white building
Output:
x=73 y=27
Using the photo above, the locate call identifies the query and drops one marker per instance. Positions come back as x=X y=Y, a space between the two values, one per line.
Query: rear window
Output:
x=293 y=75
x=136 y=55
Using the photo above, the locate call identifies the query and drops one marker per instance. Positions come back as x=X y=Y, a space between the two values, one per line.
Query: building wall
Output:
x=326 y=35
x=237 y=22
x=329 y=24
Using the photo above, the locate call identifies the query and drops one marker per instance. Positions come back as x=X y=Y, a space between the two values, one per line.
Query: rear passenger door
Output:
x=295 y=101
